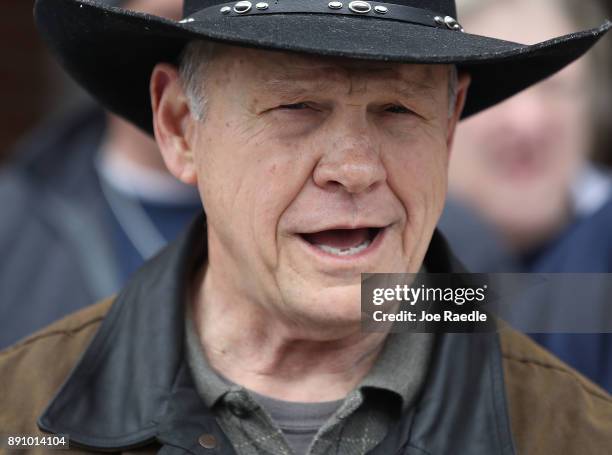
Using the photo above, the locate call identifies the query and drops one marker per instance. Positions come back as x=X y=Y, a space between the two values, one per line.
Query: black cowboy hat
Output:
x=111 y=51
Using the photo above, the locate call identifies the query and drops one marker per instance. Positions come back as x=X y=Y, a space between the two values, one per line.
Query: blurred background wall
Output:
x=22 y=72
x=32 y=86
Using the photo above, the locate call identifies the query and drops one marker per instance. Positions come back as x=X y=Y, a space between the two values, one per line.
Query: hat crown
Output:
x=444 y=7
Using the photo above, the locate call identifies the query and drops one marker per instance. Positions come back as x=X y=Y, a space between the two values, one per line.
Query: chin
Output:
x=334 y=308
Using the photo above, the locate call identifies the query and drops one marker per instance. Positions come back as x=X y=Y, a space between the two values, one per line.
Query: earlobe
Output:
x=172 y=122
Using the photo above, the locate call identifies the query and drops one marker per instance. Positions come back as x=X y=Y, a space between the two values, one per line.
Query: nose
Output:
x=352 y=162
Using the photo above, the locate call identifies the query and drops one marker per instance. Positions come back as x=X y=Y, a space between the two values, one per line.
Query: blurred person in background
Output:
x=85 y=199
x=523 y=189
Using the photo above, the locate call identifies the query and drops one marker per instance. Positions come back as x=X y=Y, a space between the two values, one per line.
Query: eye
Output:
x=397 y=109
x=294 y=107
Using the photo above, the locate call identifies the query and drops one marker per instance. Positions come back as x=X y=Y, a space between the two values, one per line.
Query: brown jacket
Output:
x=553 y=409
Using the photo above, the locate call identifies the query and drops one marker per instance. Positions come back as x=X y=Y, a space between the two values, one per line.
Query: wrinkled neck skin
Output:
x=266 y=353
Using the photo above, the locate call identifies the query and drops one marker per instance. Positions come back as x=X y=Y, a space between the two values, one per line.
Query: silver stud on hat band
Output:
x=242 y=7
x=360 y=7
x=371 y=8
x=451 y=23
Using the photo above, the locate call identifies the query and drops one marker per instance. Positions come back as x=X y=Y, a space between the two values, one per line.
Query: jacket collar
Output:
x=132 y=386
x=119 y=392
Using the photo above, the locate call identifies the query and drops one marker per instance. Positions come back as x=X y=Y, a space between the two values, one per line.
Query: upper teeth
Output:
x=345 y=251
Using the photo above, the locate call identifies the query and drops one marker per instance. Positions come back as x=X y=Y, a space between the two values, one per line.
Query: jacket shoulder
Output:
x=33 y=370
x=553 y=408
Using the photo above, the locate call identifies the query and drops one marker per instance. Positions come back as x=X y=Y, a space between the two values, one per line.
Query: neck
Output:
x=273 y=357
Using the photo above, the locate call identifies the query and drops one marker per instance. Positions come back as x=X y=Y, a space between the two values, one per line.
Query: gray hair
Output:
x=194 y=64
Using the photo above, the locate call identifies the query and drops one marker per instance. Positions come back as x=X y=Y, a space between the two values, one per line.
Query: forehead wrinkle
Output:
x=418 y=89
x=295 y=87
x=302 y=79
x=406 y=89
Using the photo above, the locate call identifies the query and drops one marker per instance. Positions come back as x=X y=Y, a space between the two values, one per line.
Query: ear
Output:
x=173 y=123
x=462 y=91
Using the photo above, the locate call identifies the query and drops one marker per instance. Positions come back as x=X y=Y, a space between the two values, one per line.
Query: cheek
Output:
x=274 y=188
x=248 y=183
x=572 y=128
x=418 y=176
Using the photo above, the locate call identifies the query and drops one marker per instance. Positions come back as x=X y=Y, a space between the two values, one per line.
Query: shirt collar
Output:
x=401 y=366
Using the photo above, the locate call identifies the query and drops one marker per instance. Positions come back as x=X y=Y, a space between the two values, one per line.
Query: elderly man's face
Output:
x=313 y=171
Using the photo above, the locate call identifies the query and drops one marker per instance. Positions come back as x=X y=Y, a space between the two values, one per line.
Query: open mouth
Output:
x=343 y=242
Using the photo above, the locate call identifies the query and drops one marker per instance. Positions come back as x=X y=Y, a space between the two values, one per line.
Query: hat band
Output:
x=376 y=10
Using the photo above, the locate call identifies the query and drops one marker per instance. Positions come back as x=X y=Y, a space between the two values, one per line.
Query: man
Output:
x=313 y=167
x=87 y=199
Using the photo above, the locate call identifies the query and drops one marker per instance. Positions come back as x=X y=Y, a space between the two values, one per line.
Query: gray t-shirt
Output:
x=299 y=422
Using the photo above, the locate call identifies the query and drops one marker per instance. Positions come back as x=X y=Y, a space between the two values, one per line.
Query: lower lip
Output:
x=370 y=250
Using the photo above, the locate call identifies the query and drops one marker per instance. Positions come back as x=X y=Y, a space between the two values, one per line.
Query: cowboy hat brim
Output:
x=111 y=52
